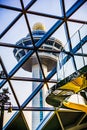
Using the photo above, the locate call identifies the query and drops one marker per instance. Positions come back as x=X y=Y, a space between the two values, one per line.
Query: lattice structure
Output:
x=62 y=19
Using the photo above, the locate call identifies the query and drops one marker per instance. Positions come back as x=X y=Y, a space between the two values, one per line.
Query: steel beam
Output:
x=10 y=8
x=15 y=108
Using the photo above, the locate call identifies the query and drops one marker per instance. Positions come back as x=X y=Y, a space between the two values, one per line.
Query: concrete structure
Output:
x=48 y=60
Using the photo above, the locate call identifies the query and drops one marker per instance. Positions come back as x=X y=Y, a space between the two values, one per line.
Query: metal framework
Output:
x=10 y=76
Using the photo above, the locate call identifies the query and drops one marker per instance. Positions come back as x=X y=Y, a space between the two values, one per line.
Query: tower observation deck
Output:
x=46 y=57
x=48 y=60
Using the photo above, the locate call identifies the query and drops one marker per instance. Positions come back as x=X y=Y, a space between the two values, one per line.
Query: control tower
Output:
x=48 y=61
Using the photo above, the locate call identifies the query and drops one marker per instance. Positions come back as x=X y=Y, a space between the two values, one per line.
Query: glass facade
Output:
x=65 y=21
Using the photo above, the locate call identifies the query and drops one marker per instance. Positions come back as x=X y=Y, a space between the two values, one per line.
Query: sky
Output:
x=19 y=30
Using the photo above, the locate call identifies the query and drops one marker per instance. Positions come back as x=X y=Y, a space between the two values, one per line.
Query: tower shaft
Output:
x=39 y=99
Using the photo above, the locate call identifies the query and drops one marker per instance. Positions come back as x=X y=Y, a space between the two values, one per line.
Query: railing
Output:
x=77 y=56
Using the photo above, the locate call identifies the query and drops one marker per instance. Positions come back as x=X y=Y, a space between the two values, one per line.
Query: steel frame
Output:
x=23 y=11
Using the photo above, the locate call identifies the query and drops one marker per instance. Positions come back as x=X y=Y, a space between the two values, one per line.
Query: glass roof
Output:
x=62 y=19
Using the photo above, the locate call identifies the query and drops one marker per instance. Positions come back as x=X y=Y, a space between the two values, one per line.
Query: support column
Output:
x=39 y=99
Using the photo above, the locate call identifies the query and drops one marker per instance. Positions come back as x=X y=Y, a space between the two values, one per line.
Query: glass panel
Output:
x=7 y=57
x=84 y=47
x=7 y=88
x=22 y=90
x=60 y=67
x=11 y=3
x=60 y=34
x=73 y=28
x=79 y=61
x=75 y=39
x=17 y=31
x=66 y=47
x=80 y=14
x=69 y=67
x=26 y=2
x=83 y=31
x=9 y=102
x=6 y=16
x=44 y=7
x=70 y=3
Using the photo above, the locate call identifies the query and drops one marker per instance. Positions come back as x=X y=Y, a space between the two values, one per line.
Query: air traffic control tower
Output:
x=48 y=61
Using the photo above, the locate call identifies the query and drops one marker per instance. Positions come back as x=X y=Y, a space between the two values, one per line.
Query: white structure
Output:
x=48 y=61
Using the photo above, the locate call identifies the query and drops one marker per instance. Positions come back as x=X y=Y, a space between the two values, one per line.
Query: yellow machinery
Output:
x=76 y=106
x=63 y=93
x=76 y=85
